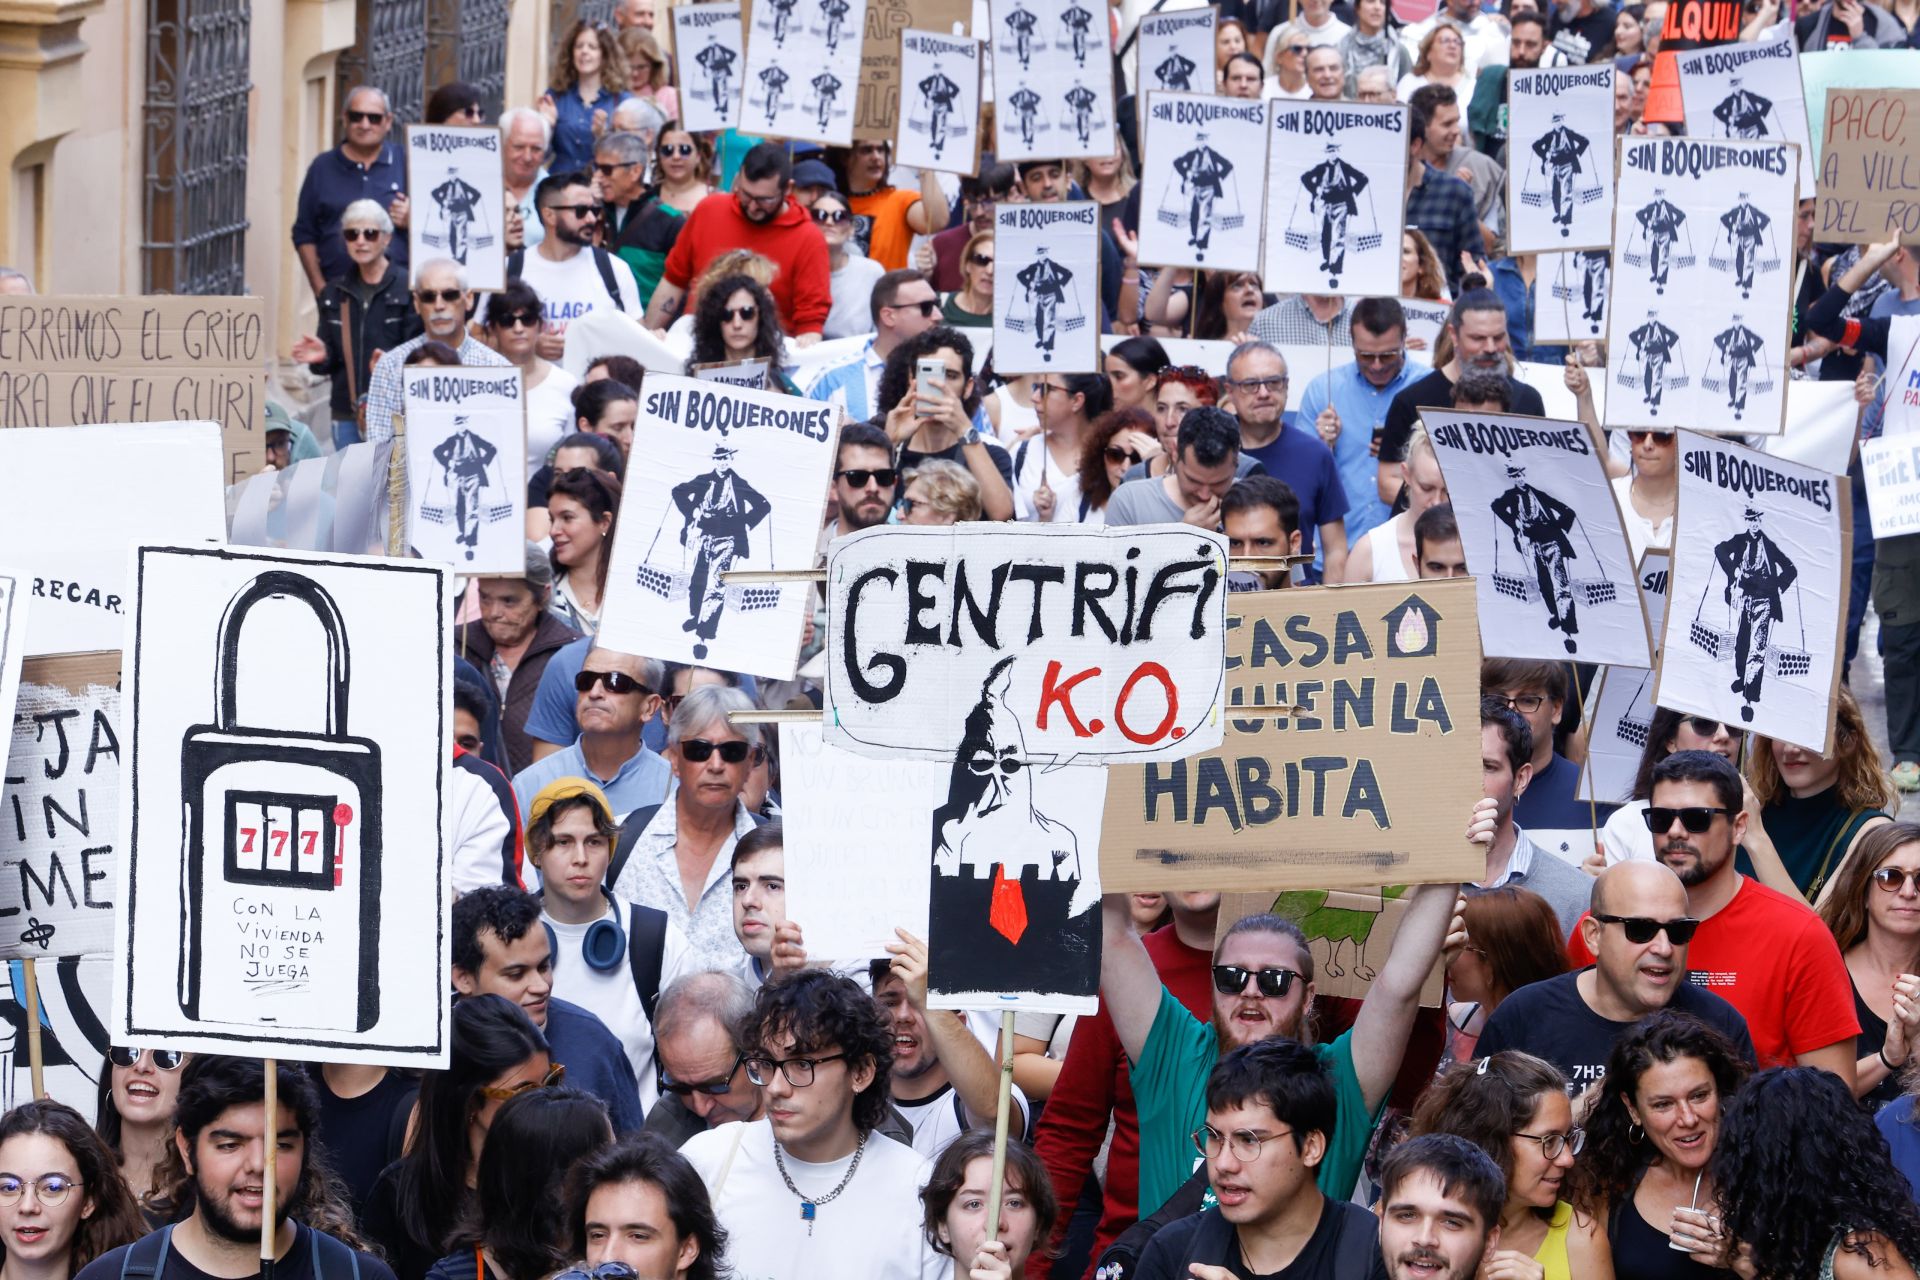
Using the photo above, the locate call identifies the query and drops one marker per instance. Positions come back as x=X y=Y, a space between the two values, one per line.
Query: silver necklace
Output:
x=809 y=1208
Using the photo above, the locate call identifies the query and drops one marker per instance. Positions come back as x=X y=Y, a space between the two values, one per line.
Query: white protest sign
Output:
x=13 y=634
x=1336 y=197
x=1052 y=80
x=1892 y=467
x=1822 y=422
x=1425 y=319
x=466 y=459
x=751 y=374
x=803 y=69
x=1204 y=181
x=337 y=502
x=1620 y=708
x=1046 y=304
x=1560 y=171
x=287 y=734
x=1749 y=91
x=459 y=202
x=940 y=88
x=1570 y=292
x=710 y=51
x=1174 y=52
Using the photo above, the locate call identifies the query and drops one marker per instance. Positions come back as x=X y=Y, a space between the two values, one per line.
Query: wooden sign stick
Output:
x=36 y=1056
x=996 y=1190
x=269 y=1202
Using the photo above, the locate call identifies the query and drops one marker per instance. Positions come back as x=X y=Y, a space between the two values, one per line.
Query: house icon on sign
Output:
x=1413 y=629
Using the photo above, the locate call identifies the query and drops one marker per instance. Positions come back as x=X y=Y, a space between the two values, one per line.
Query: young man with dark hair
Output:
x=1206 y=462
x=1539 y=692
x=1483 y=391
x=501 y=947
x=944 y=423
x=1514 y=860
x=1440 y=1203
x=977 y=198
x=222 y=1135
x=865 y=455
x=1436 y=544
x=814 y=1189
x=902 y=305
x=1261 y=517
x=640 y=1202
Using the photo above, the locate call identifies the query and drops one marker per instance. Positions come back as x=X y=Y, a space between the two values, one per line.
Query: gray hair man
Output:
x=696 y=1039
x=445 y=305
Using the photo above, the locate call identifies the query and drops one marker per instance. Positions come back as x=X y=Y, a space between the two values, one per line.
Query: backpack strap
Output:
x=1354 y=1247
x=630 y=833
x=515 y=262
x=1020 y=456
x=333 y=1258
x=147 y=1257
x=646 y=952
x=603 y=262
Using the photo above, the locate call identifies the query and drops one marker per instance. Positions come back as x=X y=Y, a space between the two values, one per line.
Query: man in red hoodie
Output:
x=759 y=216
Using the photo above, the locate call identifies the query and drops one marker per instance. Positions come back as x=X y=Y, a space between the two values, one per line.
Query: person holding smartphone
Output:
x=925 y=419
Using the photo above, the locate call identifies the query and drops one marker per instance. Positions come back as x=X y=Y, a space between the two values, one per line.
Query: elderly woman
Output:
x=362 y=314
x=938 y=492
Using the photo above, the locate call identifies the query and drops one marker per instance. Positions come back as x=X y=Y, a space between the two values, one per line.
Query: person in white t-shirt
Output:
x=567 y=270
x=604 y=949
x=514 y=321
x=1046 y=468
x=814 y=1191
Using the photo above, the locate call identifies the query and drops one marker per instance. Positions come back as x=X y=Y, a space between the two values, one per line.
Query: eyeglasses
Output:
x=927 y=307
x=980 y=259
x=365 y=117
x=760 y=202
x=715 y=1087
x=163 y=1059
x=351 y=234
x=1231 y=980
x=983 y=762
x=1552 y=1144
x=798 y=1071
x=832 y=217
x=699 y=750
x=1639 y=436
x=1895 y=879
x=616 y=682
x=427 y=297
x=1259 y=384
x=1244 y=1143
x=748 y=312
x=1380 y=357
x=858 y=477
x=555 y=1074
x=905 y=507
x=1704 y=726
x=1695 y=819
x=606 y=170
x=1640 y=931
x=1116 y=454
x=676 y=148
x=529 y=319
x=49 y=1189
x=1525 y=703
x=1297 y=50
x=587 y=211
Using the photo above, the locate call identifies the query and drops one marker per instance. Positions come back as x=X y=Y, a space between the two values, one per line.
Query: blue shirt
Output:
x=1897 y=1122
x=556 y=704
x=573 y=129
x=848 y=384
x=332 y=183
x=1303 y=460
x=1517 y=298
x=1363 y=410
x=595 y=1060
x=642 y=780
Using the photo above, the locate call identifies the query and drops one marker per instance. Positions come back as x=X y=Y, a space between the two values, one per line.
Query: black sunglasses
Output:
x=1231 y=980
x=350 y=234
x=712 y=1088
x=606 y=170
x=164 y=1059
x=927 y=307
x=980 y=259
x=1116 y=454
x=748 y=312
x=857 y=477
x=431 y=296
x=616 y=682
x=1703 y=725
x=834 y=216
x=365 y=117
x=577 y=210
x=1640 y=929
x=676 y=148
x=530 y=318
x=699 y=750
x=1695 y=819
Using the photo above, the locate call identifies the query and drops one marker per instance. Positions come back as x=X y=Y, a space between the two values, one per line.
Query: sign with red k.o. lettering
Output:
x=1104 y=646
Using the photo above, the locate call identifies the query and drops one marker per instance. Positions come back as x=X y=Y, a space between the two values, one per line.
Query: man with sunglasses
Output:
x=444 y=304
x=978 y=195
x=615 y=695
x=573 y=275
x=903 y=305
x=620 y=183
x=697 y=1026
x=365 y=166
x=1638 y=931
x=1766 y=954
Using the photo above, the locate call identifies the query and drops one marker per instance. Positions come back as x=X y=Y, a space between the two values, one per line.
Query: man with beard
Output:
x=573 y=275
x=221 y=1137
x=1440 y=1204
x=1766 y=954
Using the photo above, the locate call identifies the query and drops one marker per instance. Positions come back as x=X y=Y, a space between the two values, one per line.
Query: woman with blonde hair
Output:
x=1107 y=180
x=1442 y=60
x=1874 y=914
x=938 y=492
x=1420 y=273
x=651 y=71
x=589 y=77
x=971 y=305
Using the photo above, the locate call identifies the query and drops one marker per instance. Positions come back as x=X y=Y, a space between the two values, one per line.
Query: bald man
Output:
x=1638 y=928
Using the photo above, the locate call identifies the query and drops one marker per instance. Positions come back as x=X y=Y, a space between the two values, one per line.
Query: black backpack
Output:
x=146 y=1258
x=602 y=262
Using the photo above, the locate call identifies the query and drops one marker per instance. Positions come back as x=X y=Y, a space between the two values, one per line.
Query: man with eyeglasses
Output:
x=1257 y=387
x=444 y=304
x=815 y=1190
x=697 y=1027
x=615 y=695
x=902 y=306
x=502 y=947
x=615 y=955
x=1513 y=859
x=573 y=275
x=1551 y=808
x=1638 y=931
x=620 y=183
x=365 y=166
x=1766 y=954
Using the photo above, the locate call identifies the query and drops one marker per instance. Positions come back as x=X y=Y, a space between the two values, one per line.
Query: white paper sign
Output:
x=803 y=69
x=710 y=52
x=1560 y=149
x=940 y=99
x=751 y=374
x=1703 y=238
x=735 y=479
x=1053 y=80
x=459 y=202
x=283 y=889
x=1892 y=466
x=1621 y=706
x=1749 y=91
x=1336 y=195
x=333 y=503
x=1046 y=304
x=1425 y=319
x=1204 y=182
x=74 y=993
x=13 y=637
x=466 y=456
x=1175 y=52
x=1570 y=292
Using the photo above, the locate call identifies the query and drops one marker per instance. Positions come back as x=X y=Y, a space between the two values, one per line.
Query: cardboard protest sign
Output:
x=1351 y=757
x=710 y=53
x=152 y=481
x=1349 y=931
x=61 y=810
x=1700 y=314
x=1425 y=319
x=940 y=128
x=1205 y=180
x=1761 y=554
x=735 y=479
x=1046 y=304
x=1689 y=24
x=1543 y=535
x=466 y=459
x=332 y=503
x=1052 y=80
x=1869 y=167
x=283 y=884
x=1620 y=708
x=459 y=200
x=1114 y=638
x=80 y=361
x=1174 y=52
x=1336 y=197
x=1570 y=292
x=1560 y=175
x=877 y=113
x=1749 y=91
x=1892 y=467
x=803 y=69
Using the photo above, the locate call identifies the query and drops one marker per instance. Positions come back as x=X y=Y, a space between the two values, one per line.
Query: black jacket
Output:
x=385 y=322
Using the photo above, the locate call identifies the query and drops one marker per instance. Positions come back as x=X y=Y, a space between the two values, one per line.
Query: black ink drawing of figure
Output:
x=835 y=13
x=1203 y=175
x=1660 y=222
x=1077 y=21
x=1594 y=267
x=720 y=509
x=782 y=19
x=1080 y=100
x=1743 y=113
x=1739 y=349
x=1539 y=524
x=1045 y=282
x=1655 y=344
x=717 y=61
x=1559 y=151
x=825 y=86
x=1745 y=226
x=459 y=202
x=1026 y=104
x=773 y=79
x=1009 y=907
x=1333 y=187
x=464 y=458
x=1022 y=23
x=1757 y=574
x=1175 y=72
x=939 y=92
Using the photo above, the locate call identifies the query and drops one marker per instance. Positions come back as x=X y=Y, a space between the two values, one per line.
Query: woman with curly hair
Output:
x=589 y=77
x=1117 y=441
x=1651 y=1133
x=1420 y=274
x=1874 y=913
x=1804 y=1186
x=1514 y=1107
x=735 y=320
x=63 y=1202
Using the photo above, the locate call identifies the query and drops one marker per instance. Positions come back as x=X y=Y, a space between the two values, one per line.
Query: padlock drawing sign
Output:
x=280 y=901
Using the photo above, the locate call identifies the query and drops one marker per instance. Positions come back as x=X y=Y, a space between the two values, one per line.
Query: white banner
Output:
x=1336 y=197
x=459 y=201
x=1046 y=304
x=1749 y=91
x=803 y=69
x=940 y=102
x=466 y=463
x=1892 y=467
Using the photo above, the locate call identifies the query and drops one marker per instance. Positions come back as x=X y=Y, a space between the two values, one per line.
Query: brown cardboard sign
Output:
x=1869 y=188
x=76 y=361
x=1357 y=762
x=876 y=114
x=1350 y=933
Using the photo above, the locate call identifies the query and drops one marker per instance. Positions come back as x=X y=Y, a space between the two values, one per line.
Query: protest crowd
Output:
x=1645 y=1004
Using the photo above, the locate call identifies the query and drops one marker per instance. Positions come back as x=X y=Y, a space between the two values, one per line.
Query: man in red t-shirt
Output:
x=1766 y=954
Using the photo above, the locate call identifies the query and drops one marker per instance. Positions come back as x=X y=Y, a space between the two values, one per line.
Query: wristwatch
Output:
x=972 y=437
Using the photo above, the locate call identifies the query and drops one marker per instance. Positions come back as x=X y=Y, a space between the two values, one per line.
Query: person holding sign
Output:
x=956 y=1198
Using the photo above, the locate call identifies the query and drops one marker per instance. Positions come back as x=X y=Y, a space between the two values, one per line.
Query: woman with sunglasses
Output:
x=589 y=81
x=1874 y=914
x=682 y=168
x=1651 y=1134
x=513 y=328
x=957 y=1196
x=62 y=1201
x=937 y=492
x=735 y=320
x=364 y=313
x=1649 y=493
x=1133 y=368
x=1514 y=1107
x=971 y=304
x=1046 y=468
x=1625 y=837
x=422 y=1198
x=516 y=1225
x=134 y=1111
x=1117 y=442
x=1513 y=939
x=582 y=506
x=851 y=274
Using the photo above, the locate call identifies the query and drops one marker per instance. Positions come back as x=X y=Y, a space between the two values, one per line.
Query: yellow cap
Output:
x=568 y=789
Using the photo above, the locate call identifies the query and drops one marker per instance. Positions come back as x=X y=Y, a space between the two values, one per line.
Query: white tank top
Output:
x=1385 y=540
x=1014 y=417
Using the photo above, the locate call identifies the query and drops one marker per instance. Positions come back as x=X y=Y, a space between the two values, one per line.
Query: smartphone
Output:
x=930 y=381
